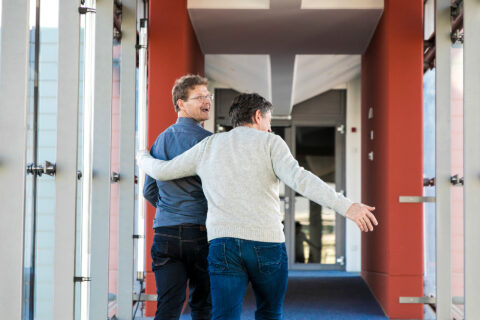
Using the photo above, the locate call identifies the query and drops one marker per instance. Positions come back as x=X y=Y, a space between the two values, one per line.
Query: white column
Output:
x=100 y=192
x=442 y=159
x=126 y=187
x=471 y=156
x=13 y=110
x=67 y=149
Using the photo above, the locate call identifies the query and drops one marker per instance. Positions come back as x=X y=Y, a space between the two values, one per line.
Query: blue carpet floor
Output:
x=323 y=295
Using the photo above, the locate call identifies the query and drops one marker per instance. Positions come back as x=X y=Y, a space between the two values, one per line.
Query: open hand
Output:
x=362 y=216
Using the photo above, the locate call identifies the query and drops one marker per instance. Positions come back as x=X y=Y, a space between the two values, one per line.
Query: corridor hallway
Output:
x=324 y=295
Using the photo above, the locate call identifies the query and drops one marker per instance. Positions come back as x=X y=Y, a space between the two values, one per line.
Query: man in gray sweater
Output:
x=240 y=172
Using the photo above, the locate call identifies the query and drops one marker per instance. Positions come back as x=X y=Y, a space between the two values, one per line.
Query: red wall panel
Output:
x=173 y=52
x=392 y=74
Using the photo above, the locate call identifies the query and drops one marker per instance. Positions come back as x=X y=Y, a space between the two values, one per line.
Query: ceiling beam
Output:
x=282 y=66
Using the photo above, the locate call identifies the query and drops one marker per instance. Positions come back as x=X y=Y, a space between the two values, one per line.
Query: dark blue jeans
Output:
x=180 y=253
x=233 y=262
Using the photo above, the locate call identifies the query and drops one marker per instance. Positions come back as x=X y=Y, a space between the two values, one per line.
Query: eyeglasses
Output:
x=203 y=98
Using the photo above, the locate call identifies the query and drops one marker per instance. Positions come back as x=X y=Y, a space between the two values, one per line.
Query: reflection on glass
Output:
x=30 y=182
x=458 y=277
x=315 y=240
x=47 y=140
x=41 y=146
x=115 y=167
x=314 y=232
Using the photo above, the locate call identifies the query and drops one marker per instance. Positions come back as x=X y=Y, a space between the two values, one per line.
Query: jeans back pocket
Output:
x=269 y=257
x=217 y=260
x=159 y=253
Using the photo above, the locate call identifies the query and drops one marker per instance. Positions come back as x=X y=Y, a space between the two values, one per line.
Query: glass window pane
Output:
x=457 y=168
x=429 y=225
x=41 y=147
x=30 y=181
x=46 y=151
x=315 y=232
x=115 y=167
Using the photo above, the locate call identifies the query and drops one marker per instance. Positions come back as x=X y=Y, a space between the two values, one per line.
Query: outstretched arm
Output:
x=306 y=183
x=184 y=165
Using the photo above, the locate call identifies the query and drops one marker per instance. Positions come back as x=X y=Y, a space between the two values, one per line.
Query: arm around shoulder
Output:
x=184 y=165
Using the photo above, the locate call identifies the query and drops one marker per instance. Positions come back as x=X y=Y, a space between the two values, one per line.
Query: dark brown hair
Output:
x=244 y=107
x=183 y=85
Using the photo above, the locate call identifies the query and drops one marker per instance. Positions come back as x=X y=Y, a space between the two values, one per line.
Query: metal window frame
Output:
x=442 y=159
x=67 y=149
x=126 y=186
x=471 y=156
x=100 y=191
x=13 y=133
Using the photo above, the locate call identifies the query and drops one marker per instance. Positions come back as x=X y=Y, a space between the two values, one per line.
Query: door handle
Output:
x=47 y=168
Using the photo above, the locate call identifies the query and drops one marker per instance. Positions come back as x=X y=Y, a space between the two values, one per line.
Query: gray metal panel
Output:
x=321 y=107
x=282 y=66
x=223 y=101
x=66 y=175
x=126 y=186
x=471 y=156
x=442 y=159
x=13 y=109
x=100 y=195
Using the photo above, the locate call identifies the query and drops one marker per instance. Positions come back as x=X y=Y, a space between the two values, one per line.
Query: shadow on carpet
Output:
x=323 y=296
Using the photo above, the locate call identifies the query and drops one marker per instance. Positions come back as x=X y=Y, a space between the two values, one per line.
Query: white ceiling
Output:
x=300 y=47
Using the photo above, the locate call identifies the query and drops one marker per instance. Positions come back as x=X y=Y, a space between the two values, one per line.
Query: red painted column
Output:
x=392 y=73
x=173 y=52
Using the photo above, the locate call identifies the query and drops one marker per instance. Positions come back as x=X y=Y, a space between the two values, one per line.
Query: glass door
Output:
x=316 y=234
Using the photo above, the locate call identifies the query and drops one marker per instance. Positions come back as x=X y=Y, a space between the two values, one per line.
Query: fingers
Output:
x=362 y=216
x=372 y=218
x=364 y=224
x=367 y=220
x=360 y=226
x=368 y=223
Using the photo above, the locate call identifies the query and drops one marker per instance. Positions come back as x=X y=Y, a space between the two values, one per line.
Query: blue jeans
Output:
x=233 y=262
x=180 y=253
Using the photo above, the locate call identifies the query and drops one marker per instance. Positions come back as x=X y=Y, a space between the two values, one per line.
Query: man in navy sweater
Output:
x=180 y=248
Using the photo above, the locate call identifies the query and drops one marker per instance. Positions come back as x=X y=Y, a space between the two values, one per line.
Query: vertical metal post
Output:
x=100 y=192
x=66 y=169
x=13 y=132
x=126 y=186
x=442 y=159
x=471 y=155
x=142 y=143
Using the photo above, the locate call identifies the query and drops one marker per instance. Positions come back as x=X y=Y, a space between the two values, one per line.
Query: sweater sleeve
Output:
x=303 y=181
x=184 y=165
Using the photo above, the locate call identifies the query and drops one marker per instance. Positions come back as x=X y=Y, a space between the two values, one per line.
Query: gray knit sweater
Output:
x=240 y=172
